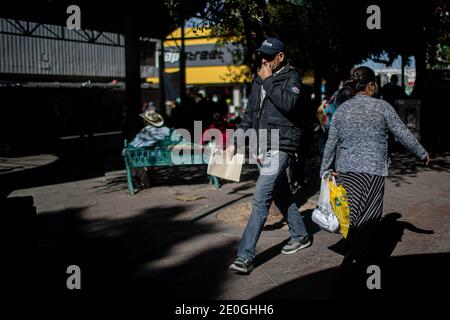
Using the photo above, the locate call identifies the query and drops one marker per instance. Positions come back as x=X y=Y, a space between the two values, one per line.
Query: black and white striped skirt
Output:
x=365 y=194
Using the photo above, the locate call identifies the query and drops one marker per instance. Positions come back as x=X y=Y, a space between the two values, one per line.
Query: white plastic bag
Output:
x=323 y=214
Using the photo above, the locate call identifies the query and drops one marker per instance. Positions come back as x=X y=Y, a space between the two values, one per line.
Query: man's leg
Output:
x=262 y=199
x=286 y=203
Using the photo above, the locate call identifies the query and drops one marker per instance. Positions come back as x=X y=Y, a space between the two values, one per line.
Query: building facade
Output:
x=214 y=69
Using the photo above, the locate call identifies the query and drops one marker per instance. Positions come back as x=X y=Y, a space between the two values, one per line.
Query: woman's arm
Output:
x=401 y=131
x=330 y=147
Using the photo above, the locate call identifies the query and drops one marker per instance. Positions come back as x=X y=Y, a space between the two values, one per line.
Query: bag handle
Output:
x=333 y=180
x=326 y=172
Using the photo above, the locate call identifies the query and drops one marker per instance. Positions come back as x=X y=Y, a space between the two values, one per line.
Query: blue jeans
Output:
x=273 y=185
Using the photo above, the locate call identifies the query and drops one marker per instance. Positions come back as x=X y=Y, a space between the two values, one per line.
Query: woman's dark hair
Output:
x=343 y=95
x=360 y=78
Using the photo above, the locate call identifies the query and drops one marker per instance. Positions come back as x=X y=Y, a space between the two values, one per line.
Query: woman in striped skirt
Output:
x=357 y=152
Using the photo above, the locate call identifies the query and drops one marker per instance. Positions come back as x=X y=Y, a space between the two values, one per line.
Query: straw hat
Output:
x=153 y=118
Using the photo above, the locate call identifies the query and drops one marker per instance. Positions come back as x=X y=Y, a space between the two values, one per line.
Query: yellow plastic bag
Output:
x=341 y=208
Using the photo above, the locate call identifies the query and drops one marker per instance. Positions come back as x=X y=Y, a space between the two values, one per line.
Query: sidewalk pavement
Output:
x=10 y=165
x=166 y=243
x=13 y=169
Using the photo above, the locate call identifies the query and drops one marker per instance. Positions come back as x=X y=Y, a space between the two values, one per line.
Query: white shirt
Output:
x=270 y=153
x=263 y=92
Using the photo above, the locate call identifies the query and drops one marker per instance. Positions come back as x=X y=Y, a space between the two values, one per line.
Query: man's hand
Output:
x=230 y=149
x=229 y=152
x=264 y=72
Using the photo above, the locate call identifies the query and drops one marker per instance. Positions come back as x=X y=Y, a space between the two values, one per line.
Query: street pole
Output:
x=182 y=67
x=132 y=77
x=162 y=88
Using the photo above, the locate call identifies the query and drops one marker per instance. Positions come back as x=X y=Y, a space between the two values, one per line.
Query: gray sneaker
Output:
x=296 y=246
x=242 y=265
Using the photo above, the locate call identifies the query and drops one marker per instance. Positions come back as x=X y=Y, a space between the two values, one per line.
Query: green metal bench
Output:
x=160 y=155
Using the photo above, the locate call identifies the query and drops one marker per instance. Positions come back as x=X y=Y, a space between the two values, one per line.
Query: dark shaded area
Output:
x=129 y=19
x=422 y=276
x=387 y=233
x=18 y=244
x=434 y=133
x=112 y=255
x=34 y=118
x=102 y=15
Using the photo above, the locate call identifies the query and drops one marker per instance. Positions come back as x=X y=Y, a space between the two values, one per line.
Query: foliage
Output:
x=329 y=36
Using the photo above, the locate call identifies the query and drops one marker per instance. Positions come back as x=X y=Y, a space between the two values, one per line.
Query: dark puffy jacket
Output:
x=279 y=110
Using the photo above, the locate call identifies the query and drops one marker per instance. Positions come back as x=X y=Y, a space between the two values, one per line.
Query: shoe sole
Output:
x=236 y=268
x=306 y=245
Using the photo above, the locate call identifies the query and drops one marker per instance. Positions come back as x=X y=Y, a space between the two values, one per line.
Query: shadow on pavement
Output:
x=18 y=245
x=270 y=253
x=422 y=276
x=119 y=258
x=406 y=166
x=414 y=276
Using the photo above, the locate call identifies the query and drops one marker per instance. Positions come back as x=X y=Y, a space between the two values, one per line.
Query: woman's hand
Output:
x=427 y=160
x=334 y=173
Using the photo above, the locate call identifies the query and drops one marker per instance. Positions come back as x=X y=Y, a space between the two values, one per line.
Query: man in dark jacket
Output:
x=273 y=105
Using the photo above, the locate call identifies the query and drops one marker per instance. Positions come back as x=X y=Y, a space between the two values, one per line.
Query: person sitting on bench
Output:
x=153 y=132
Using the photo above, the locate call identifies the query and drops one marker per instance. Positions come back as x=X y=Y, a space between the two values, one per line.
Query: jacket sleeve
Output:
x=401 y=131
x=246 y=122
x=285 y=97
x=247 y=119
x=330 y=147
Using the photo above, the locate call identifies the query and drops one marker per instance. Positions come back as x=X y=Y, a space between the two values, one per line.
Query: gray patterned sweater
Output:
x=357 y=140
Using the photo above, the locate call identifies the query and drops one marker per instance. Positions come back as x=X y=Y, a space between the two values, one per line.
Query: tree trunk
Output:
x=132 y=79
x=254 y=33
x=250 y=48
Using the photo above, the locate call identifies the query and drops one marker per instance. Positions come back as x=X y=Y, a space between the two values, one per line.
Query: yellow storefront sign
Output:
x=206 y=63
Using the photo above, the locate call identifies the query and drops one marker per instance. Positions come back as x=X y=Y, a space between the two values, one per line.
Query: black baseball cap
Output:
x=271 y=46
